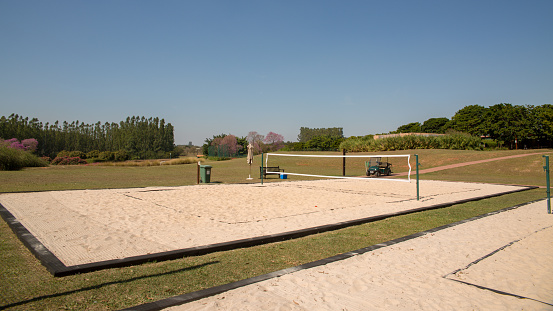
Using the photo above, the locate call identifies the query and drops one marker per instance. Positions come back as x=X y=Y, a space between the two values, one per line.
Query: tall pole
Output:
x=262 y=168
x=548 y=189
x=344 y=162
x=417 y=164
x=198 y=175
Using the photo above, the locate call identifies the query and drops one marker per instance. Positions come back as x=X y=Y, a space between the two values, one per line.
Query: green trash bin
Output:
x=205 y=173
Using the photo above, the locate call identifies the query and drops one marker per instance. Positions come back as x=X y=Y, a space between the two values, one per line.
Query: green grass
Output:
x=525 y=170
x=26 y=285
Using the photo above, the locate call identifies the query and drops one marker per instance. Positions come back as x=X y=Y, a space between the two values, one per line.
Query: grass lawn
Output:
x=26 y=285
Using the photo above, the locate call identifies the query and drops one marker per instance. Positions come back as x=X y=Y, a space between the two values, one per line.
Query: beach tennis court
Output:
x=81 y=227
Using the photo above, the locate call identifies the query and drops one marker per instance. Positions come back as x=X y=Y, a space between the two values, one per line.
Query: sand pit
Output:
x=509 y=252
x=87 y=226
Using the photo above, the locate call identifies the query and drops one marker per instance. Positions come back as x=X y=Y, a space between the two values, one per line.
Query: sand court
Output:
x=87 y=226
x=509 y=252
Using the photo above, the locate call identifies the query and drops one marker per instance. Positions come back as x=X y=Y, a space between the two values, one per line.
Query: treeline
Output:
x=512 y=126
x=307 y=134
x=317 y=139
x=139 y=137
x=225 y=146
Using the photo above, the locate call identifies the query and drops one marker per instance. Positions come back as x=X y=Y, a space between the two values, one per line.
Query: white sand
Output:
x=94 y=225
x=417 y=274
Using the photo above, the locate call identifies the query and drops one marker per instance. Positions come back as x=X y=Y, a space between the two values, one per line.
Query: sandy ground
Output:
x=85 y=226
x=510 y=252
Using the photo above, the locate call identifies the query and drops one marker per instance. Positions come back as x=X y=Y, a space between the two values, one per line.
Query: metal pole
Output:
x=198 y=175
x=344 y=162
x=262 y=168
x=548 y=189
x=417 y=162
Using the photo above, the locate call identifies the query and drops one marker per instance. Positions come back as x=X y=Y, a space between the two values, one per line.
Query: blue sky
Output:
x=212 y=67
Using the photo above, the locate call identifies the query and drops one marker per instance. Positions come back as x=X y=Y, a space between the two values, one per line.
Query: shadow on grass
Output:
x=104 y=284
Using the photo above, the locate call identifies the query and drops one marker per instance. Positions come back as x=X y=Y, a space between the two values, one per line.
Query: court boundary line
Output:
x=489 y=255
x=58 y=269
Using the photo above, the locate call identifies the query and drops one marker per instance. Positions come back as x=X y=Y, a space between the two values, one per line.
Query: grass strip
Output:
x=26 y=285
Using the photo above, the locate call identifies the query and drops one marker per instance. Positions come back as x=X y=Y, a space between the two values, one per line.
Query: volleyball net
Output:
x=362 y=167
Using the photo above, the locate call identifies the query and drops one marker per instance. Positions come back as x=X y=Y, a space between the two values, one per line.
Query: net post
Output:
x=417 y=164
x=262 y=168
x=548 y=189
x=344 y=162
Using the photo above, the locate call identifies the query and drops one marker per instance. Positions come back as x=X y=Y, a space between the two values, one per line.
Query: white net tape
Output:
x=408 y=156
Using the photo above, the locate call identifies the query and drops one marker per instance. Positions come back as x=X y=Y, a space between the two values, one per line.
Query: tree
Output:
x=324 y=143
x=435 y=125
x=543 y=121
x=137 y=136
x=508 y=123
x=470 y=120
x=230 y=143
x=307 y=134
x=274 y=141
x=257 y=141
x=413 y=127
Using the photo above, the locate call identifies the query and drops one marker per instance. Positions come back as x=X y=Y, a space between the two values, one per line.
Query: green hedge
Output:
x=457 y=141
x=15 y=159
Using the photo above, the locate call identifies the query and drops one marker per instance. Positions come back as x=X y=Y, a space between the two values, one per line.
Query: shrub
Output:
x=77 y=154
x=30 y=144
x=294 y=146
x=93 y=154
x=68 y=161
x=453 y=141
x=120 y=155
x=491 y=144
x=46 y=159
x=106 y=156
x=63 y=154
x=16 y=159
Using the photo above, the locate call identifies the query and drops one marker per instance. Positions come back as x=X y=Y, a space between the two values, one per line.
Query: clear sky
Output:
x=212 y=67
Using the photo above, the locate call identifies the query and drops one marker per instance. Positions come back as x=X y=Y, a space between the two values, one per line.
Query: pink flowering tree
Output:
x=274 y=141
x=256 y=140
x=231 y=143
x=227 y=145
x=216 y=141
x=30 y=144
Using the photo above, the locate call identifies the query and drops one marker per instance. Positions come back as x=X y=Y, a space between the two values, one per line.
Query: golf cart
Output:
x=375 y=167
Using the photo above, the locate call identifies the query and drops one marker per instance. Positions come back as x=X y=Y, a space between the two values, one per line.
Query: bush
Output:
x=93 y=154
x=106 y=156
x=358 y=143
x=293 y=146
x=68 y=161
x=30 y=144
x=77 y=154
x=459 y=141
x=63 y=154
x=120 y=155
x=15 y=159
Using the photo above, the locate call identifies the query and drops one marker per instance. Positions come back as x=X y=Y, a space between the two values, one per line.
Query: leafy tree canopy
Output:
x=307 y=134
x=470 y=120
x=413 y=127
x=435 y=125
